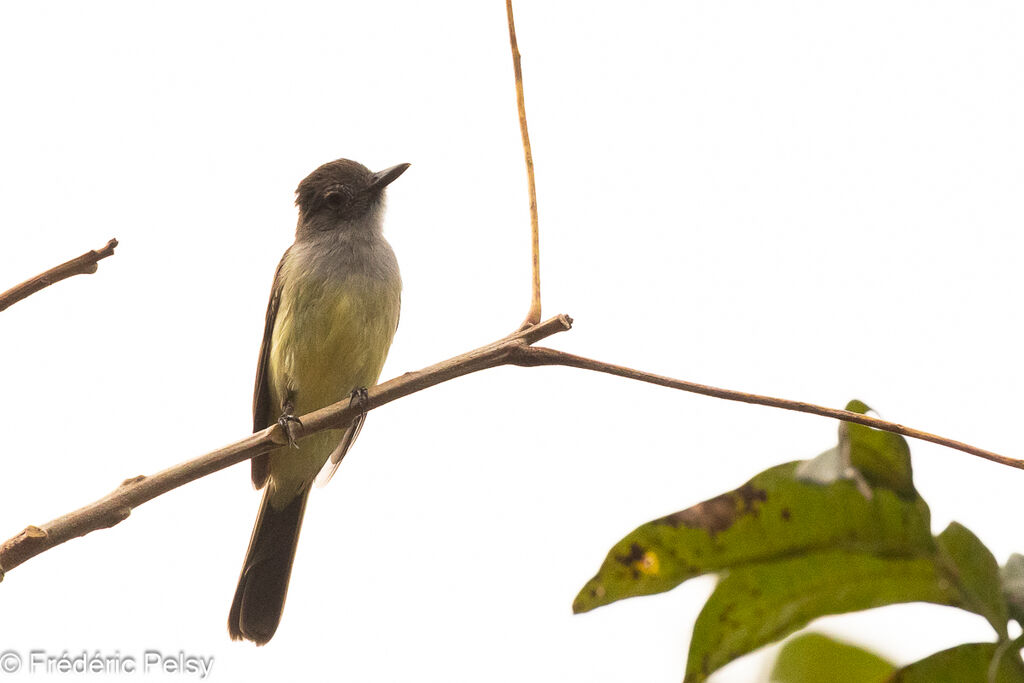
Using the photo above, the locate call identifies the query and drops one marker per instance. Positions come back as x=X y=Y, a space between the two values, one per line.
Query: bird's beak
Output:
x=382 y=179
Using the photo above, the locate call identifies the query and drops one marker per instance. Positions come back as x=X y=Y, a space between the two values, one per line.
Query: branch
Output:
x=117 y=505
x=515 y=349
x=537 y=356
x=533 y=316
x=80 y=265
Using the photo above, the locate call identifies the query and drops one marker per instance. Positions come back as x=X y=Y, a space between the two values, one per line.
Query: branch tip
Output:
x=85 y=264
x=536 y=356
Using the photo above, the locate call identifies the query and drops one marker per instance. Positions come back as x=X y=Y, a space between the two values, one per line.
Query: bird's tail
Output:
x=263 y=585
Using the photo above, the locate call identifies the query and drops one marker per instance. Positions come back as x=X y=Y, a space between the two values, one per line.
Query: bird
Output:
x=333 y=312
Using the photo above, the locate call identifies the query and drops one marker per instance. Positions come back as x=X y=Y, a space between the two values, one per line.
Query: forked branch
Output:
x=515 y=349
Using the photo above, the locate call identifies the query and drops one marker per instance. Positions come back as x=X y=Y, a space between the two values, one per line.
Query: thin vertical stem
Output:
x=533 y=317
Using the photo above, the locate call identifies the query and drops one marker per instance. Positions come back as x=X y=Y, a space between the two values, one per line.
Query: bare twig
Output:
x=542 y=356
x=515 y=349
x=533 y=316
x=80 y=265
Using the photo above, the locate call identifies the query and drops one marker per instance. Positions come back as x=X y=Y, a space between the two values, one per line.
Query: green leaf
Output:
x=970 y=663
x=1013 y=585
x=756 y=605
x=882 y=457
x=773 y=515
x=813 y=657
x=976 y=573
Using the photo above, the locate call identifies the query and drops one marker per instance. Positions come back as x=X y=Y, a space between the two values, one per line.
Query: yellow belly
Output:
x=329 y=338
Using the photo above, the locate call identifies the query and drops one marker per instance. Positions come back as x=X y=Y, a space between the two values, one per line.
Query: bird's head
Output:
x=343 y=194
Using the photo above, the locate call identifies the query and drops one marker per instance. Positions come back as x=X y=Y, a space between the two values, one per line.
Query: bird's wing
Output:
x=263 y=412
x=347 y=439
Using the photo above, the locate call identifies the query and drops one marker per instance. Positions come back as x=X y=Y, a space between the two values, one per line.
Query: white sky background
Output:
x=812 y=200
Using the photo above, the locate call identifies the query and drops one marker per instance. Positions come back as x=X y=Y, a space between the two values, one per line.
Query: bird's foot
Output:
x=357 y=399
x=287 y=423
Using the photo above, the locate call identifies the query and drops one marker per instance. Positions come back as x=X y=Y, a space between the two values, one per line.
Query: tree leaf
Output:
x=813 y=657
x=761 y=603
x=773 y=515
x=969 y=663
x=975 y=571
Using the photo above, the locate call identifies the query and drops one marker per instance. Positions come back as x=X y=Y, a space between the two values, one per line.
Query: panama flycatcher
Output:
x=332 y=314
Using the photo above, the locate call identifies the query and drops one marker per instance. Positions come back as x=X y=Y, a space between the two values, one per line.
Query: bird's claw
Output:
x=287 y=422
x=358 y=398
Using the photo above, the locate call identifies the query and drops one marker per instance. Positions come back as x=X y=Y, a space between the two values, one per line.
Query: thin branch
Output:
x=80 y=265
x=536 y=356
x=533 y=316
x=117 y=505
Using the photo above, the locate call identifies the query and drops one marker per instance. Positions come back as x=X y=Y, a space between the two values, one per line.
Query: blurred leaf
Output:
x=976 y=574
x=813 y=657
x=882 y=457
x=771 y=516
x=756 y=605
x=858 y=406
x=845 y=532
x=1013 y=585
x=968 y=663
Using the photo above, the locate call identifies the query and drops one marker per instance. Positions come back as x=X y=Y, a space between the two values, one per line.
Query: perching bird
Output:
x=333 y=312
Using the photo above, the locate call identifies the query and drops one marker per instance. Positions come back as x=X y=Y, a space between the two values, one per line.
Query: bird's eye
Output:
x=334 y=199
